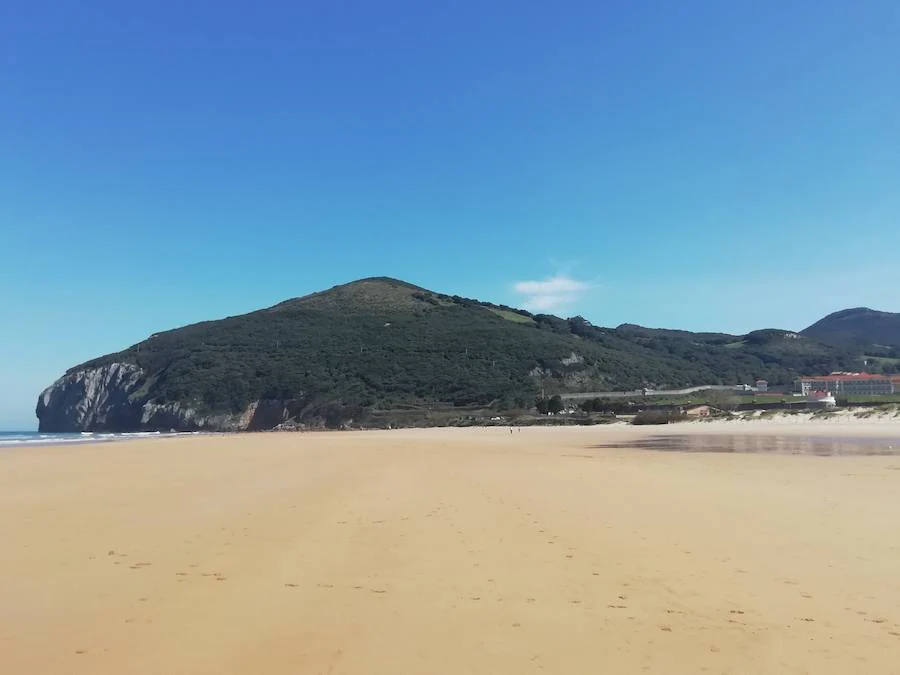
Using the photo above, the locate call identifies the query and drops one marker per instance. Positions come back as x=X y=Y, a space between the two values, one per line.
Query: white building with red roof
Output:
x=849 y=384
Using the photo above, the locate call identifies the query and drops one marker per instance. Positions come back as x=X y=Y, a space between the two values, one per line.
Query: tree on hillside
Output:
x=555 y=404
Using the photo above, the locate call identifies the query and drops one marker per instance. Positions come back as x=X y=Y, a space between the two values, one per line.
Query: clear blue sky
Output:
x=700 y=165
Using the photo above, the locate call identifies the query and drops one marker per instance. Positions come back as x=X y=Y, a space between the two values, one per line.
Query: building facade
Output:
x=848 y=384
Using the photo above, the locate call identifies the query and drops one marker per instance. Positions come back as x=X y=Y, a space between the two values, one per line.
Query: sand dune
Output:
x=446 y=552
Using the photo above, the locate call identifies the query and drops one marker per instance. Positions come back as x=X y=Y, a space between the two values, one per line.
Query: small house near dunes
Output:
x=697 y=411
x=821 y=399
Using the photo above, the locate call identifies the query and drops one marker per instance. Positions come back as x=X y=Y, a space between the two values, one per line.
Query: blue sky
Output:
x=699 y=165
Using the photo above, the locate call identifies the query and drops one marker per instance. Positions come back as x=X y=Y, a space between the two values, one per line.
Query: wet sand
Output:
x=447 y=552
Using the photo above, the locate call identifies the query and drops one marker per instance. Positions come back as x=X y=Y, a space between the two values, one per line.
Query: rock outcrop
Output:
x=113 y=398
x=116 y=398
x=92 y=399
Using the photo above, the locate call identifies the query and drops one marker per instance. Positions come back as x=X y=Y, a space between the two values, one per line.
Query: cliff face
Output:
x=92 y=399
x=109 y=398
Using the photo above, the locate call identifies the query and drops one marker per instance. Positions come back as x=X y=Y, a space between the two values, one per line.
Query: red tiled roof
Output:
x=845 y=377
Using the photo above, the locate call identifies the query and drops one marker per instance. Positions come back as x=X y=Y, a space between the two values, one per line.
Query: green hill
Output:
x=382 y=344
x=859 y=327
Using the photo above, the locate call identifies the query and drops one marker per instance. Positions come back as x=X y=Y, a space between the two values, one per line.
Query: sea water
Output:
x=31 y=438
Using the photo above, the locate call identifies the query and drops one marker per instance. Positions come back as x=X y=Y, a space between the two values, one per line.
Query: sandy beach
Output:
x=473 y=551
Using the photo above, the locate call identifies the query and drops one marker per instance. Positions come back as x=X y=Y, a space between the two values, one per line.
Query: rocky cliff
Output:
x=91 y=399
x=113 y=398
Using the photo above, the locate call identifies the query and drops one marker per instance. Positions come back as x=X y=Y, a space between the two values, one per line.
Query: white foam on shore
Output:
x=37 y=438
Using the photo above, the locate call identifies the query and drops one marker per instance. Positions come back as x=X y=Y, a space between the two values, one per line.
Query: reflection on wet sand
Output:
x=823 y=446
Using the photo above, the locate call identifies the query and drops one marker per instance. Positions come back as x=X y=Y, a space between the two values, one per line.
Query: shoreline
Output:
x=43 y=439
x=849 y=422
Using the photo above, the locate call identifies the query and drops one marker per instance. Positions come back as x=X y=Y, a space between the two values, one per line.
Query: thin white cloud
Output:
x=552 y=294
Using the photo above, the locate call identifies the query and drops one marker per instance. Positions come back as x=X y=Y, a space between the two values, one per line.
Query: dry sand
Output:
x=449 y=551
